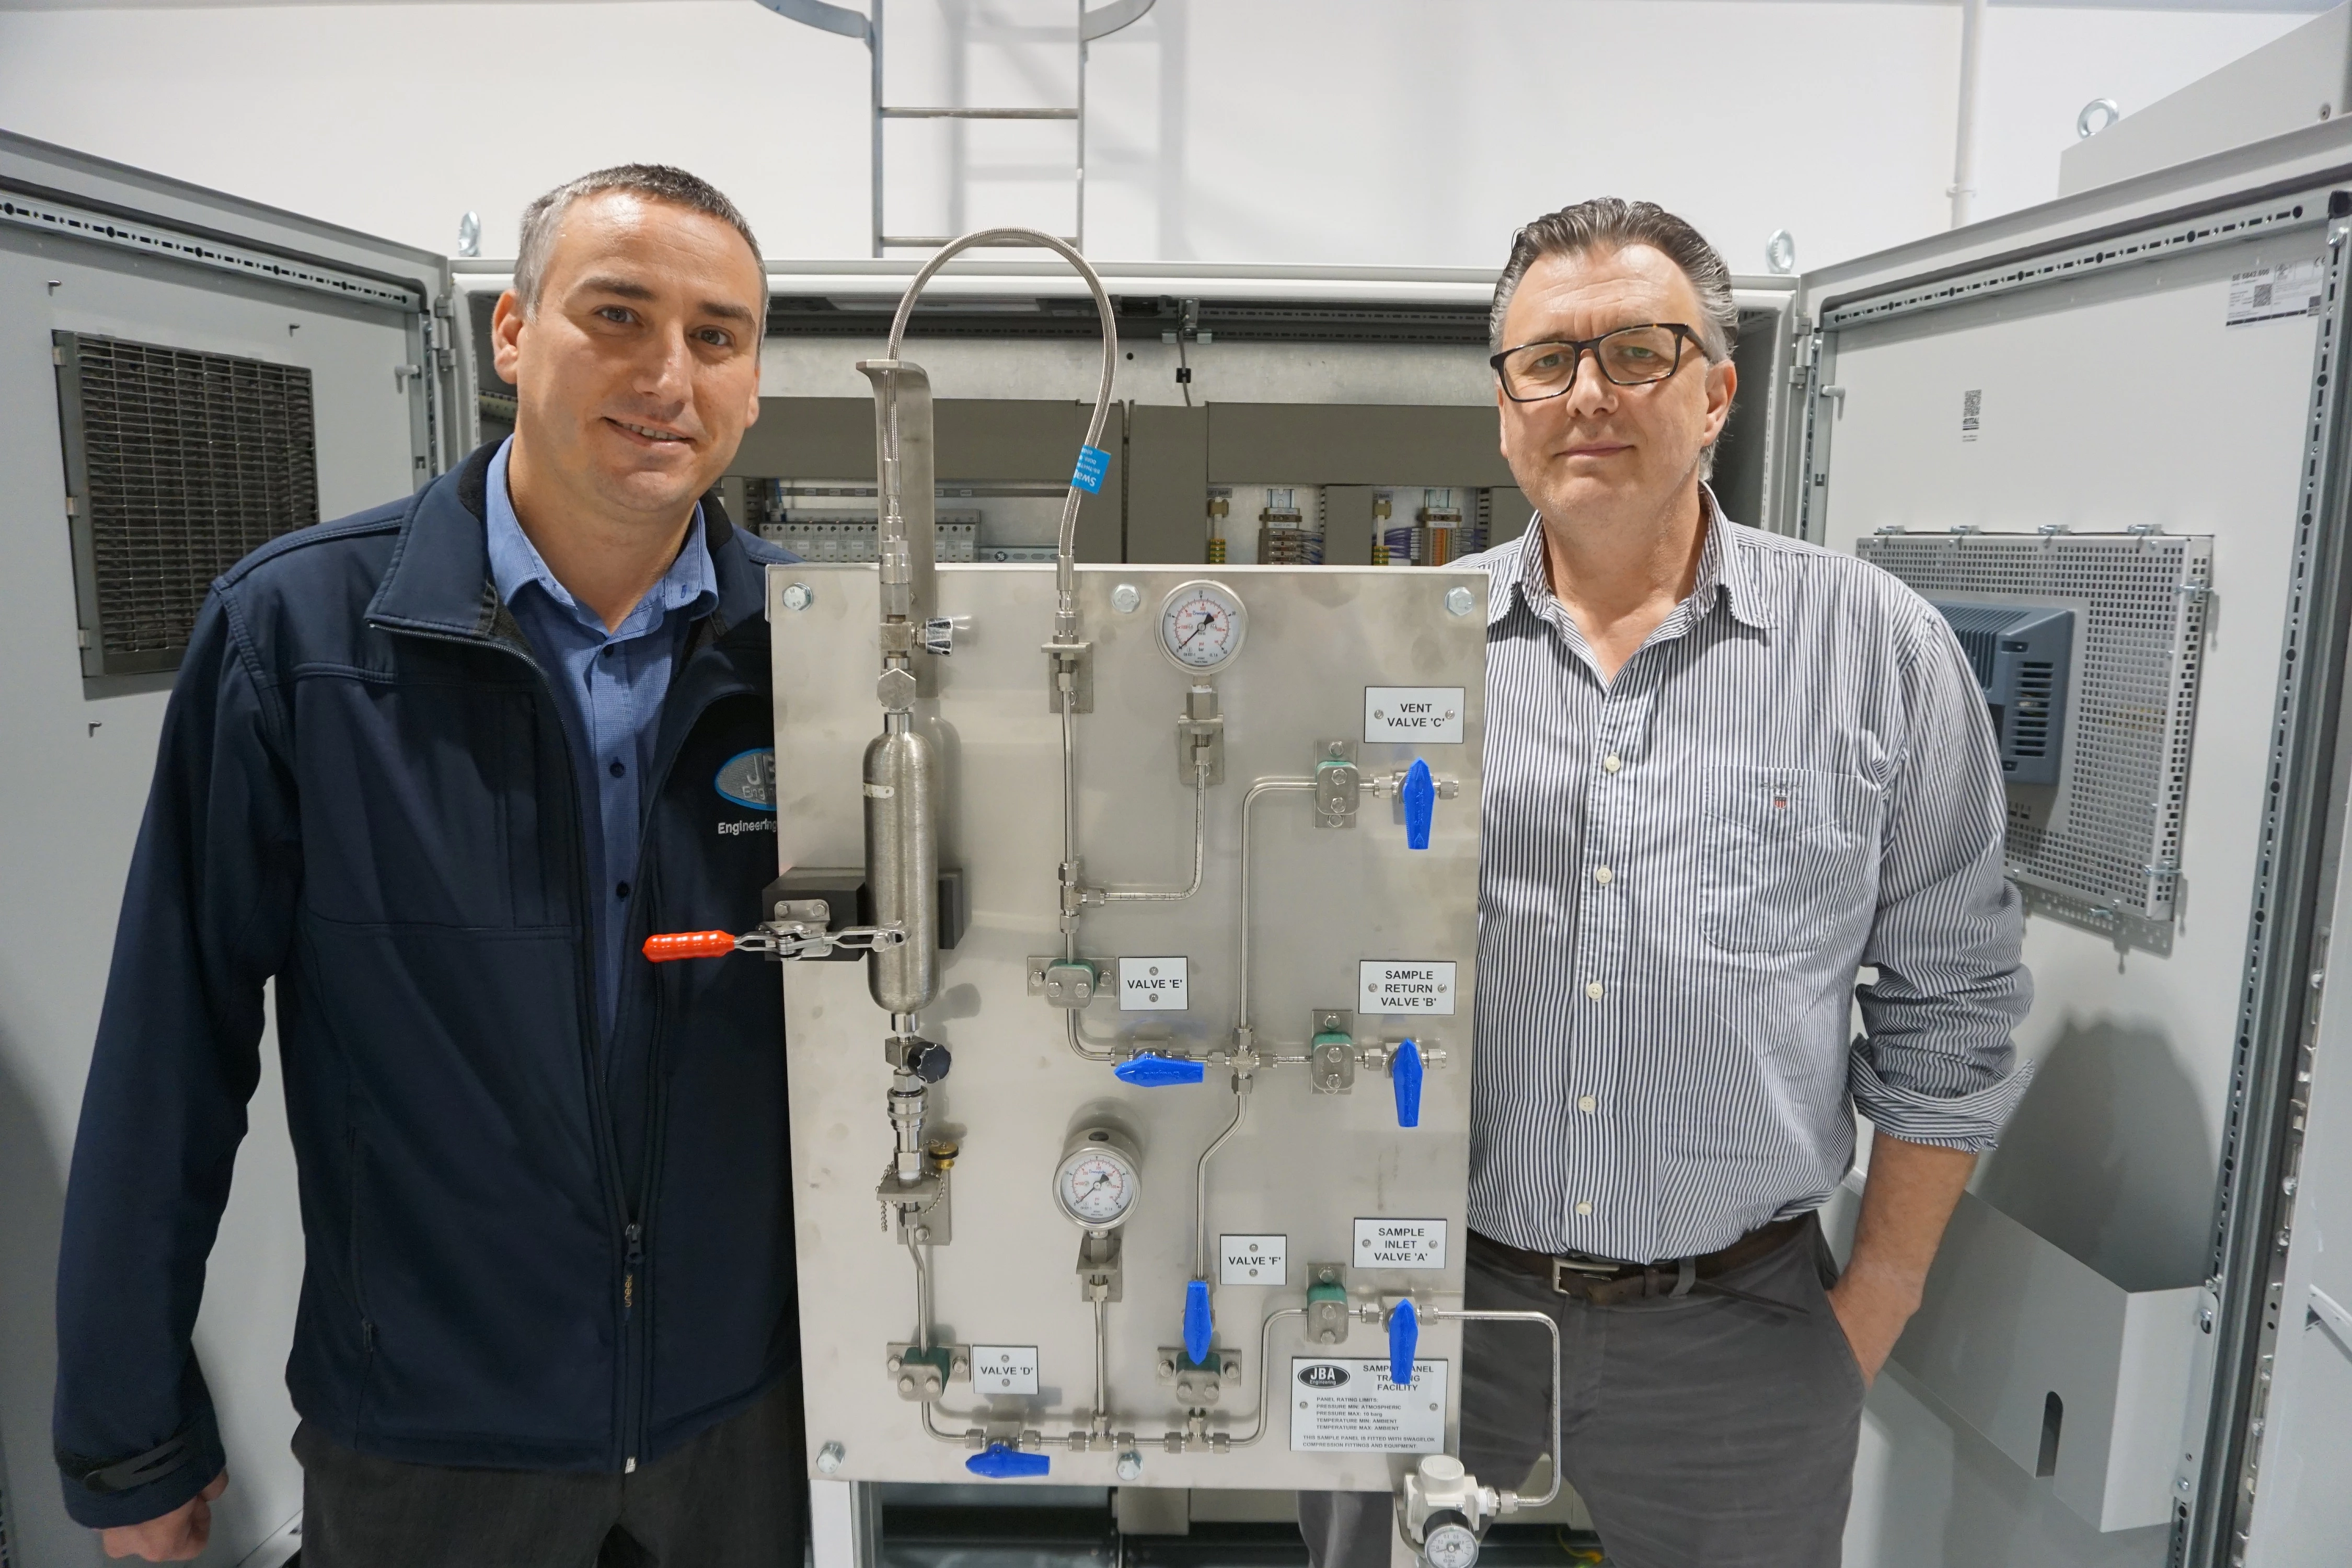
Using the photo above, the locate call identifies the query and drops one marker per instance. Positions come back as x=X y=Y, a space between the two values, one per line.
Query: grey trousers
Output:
x=1702 y=1431
x=734 y=1497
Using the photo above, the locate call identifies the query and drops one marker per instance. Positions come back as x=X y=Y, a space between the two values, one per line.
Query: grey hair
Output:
x=654 y=182
x=1608 y=223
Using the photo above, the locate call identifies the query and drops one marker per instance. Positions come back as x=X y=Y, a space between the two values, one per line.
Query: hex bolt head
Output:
x=1130 y=1464
x=797 y=595
x=829 y=1458
x=1458 y=601
x=895 y=690
x=1126 y=597
x=905 y=1385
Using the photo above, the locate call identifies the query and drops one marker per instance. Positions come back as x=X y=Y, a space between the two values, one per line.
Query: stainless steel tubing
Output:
x=902 y=865
x=1512 y=1499
x=1241 y=935
x=1199 y=843
x=1266 y=1372
x=1201 y=1178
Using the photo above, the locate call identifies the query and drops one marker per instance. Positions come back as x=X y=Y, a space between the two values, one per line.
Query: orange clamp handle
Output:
x=690 y=944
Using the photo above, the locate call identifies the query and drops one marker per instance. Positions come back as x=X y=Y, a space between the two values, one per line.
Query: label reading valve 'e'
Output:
x=1384 y=1243
x=1003 y=1369
x=1152 y=985
x=1404 y=985
x=1415 y=715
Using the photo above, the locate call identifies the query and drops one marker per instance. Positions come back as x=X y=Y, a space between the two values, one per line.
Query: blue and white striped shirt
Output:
x=1684 y=869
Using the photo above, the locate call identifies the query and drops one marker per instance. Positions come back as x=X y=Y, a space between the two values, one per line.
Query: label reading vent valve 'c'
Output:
x=1415 y=715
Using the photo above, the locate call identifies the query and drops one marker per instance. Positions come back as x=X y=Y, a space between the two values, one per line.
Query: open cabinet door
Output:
x=184 y=376
x=2107 y=438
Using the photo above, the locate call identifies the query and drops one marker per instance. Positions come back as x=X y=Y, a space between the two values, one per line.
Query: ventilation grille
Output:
x=178 y=464
x=2102 y=846
x=2028 y=723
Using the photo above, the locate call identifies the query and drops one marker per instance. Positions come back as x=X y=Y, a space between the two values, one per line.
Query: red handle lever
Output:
x=690 y=944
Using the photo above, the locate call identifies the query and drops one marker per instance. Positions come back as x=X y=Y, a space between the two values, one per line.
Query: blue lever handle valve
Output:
x=1199 y=1327
x=1404 y=1339
x=1149 y=1071
x=1003 y=1462
x=1420 y=796
x=1404 y=1077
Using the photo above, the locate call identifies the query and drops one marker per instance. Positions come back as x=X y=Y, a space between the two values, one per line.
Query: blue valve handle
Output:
x=1420 y=795
x=1149 y=1071
x=1404 y=1077
x=1003 y=1462
x=1404 y=1339
x=1199 y=1327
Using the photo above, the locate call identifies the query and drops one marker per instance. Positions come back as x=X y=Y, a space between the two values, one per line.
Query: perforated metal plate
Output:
x=177 y=465
x=2101 y=847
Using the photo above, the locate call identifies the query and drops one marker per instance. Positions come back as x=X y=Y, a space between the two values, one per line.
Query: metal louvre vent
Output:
x=178 y=464
x=2101 y=848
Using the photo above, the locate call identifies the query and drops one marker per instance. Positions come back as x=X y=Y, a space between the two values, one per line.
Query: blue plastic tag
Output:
x=1093 y=464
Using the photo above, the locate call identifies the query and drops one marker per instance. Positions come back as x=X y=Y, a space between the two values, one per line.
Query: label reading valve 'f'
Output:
x=1416 y=715
x=1384 y=1243
x=1404 y=985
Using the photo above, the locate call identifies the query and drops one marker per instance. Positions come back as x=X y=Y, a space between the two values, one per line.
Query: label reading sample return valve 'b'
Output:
x=1404 y=985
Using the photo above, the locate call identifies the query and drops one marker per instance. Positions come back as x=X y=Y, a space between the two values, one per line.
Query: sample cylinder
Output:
x=902 y=866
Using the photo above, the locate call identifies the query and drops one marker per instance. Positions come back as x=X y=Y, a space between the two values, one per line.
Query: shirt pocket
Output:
x=1789 y=862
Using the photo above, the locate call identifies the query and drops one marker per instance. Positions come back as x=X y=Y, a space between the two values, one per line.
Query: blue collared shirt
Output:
x=609 y=687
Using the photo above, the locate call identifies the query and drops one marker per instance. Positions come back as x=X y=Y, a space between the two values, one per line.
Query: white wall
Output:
x=1337 y=131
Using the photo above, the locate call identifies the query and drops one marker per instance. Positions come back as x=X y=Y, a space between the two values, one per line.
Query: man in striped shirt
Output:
x=1725 y=773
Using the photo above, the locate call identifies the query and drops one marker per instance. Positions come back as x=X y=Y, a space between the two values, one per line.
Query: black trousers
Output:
x=1702 y=1431
x=735 y=1497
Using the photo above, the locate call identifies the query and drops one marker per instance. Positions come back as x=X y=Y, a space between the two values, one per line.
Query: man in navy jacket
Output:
x=437 y=770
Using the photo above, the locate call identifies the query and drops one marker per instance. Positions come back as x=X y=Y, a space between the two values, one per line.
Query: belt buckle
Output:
x=1593 y=1268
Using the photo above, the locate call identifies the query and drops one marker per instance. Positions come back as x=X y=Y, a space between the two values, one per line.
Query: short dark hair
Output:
x=1608 y=223
x=654 y=182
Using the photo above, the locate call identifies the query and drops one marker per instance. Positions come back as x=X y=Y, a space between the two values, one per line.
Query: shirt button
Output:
x=1584 y=1208
x=1612 y=762
x=1593 y=989
x=617 y=770
x=1601 y=874
x=610 y=649
x=1587 y=1104
x=620 y=889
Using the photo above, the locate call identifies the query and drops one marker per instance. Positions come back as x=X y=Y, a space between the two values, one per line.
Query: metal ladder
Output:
x=1099 y=22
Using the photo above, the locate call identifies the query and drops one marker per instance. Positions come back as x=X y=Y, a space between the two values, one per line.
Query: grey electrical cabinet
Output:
x=2023 y=656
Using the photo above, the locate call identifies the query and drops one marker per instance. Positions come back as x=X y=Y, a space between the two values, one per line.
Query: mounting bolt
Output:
x=1130 y=1464
x=829 y=1458
x=797 y=595
x=1458 y=601
x=1126 y=597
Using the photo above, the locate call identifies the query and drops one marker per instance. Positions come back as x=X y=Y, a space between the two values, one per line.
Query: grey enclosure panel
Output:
x=2024 y=657
x=980 y=440
x=1348 y=526
x=1363 y=444
x=2107 y=843
x=1167 y=483
x=178 y=464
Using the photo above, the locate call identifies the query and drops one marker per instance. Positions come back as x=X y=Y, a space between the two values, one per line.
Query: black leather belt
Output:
x=1605 y=1281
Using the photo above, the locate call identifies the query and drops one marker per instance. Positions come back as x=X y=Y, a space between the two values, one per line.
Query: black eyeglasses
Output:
x=1630 y=356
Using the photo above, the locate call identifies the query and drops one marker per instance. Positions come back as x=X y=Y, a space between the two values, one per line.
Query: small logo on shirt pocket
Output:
x=749 y=779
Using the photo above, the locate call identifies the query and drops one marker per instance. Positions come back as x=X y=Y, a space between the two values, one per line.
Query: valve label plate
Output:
x=1350 y=1407
x=1415 y=715
x=1384 y=1243
x=1003 y=1369
x=1252 y=1259
x=1152 y=985
x=1404 y=985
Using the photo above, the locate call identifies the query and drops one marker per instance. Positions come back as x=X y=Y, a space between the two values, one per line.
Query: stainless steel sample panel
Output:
x=1304 y=1167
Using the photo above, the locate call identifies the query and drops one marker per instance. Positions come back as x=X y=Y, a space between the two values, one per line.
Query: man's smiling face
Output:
x=638 y=368
x=1599 y=452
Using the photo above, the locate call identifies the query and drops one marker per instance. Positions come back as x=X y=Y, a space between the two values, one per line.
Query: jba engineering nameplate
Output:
x=1350 y=1407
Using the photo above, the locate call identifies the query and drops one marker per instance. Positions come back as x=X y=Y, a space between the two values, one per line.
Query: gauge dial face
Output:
x=1451 y=1546
x=1096 y=1186
x=1201 y=624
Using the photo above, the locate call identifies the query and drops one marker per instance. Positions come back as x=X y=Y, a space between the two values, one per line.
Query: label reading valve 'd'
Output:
x=1350 y=1408
x=1404 y=985
x=1152 y=985
x=1003 y=1369
x=1414 y=715
x=1384 y=1243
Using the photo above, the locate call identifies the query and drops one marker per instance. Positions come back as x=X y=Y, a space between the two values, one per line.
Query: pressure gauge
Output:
x=1201 y=625
x=1450 y=1543
x=1096 y=1182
